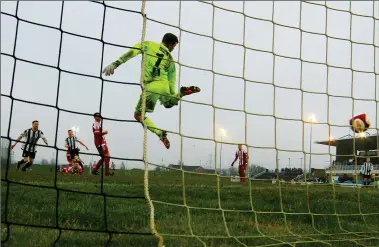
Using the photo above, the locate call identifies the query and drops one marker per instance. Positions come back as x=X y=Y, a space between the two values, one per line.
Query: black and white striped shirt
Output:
x=71 y=142
x=366 y=169
x=32 y=138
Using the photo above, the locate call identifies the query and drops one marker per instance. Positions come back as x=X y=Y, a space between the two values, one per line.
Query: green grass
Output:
x=253 y=216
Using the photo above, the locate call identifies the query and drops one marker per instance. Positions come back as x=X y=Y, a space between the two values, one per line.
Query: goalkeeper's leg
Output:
x=154 y=90
x=173 y=100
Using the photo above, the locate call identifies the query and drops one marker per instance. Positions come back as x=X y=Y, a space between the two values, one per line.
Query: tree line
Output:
x=253 y=169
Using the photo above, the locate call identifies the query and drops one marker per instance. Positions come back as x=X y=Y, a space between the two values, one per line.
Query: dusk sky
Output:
x=258 y=98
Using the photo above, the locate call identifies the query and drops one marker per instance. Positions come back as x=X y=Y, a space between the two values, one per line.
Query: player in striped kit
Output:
x=71 y=143
x=243 y=159
x=29 y=148
x=101 y=145
x=159 y=79
x=366 y=169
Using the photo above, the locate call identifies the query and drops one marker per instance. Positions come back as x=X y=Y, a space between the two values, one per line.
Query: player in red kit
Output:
x=101 y=145
x=243 y=158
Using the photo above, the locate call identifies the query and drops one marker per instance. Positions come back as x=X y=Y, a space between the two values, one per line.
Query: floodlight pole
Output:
x=310 y=149
x=75 y=129
x=220 y=154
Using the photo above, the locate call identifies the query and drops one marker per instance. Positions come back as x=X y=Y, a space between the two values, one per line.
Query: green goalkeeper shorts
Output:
x=157 y=90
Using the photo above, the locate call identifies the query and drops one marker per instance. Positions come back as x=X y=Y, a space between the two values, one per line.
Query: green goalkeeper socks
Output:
x=151 y=126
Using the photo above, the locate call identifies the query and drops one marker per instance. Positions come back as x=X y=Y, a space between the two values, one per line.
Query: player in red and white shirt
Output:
x=75 y=167
x=243 y=158
x=101 y=145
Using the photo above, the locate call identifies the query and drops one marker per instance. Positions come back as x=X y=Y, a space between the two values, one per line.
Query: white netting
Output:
x=263 y=68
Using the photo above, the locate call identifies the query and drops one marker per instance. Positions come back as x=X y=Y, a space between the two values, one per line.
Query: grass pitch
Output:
x=260 y=214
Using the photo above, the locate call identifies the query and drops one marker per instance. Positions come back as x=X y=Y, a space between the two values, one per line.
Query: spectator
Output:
x=366 y=172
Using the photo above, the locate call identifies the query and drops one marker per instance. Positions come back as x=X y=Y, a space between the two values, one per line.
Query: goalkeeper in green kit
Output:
x=159 y=77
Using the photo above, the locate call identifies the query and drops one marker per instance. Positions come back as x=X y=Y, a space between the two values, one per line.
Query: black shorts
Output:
x=74 y=152
x=367 y=176
x=26 y=154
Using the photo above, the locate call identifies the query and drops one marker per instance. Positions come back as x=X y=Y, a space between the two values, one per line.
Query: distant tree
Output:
x=44 y=162
x=122 y=167
x=232 y=171
x=255 y=169
x=225 y=172
x=5 y=152
x=180 y=163
x=113 y=166
x=52 y=161
x=163 y=168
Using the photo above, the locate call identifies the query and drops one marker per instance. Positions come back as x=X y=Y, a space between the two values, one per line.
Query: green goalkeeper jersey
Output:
x=159 y=64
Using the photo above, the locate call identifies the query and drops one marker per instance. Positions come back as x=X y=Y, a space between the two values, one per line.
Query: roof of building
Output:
x=366 y=142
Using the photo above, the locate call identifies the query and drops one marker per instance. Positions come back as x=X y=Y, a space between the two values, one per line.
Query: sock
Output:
x=107 y=161
x=151 y=127
x=20 y=163
x=27 y=165
x=99 y=163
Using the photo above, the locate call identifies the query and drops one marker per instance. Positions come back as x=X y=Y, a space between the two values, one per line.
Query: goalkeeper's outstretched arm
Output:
x=109 y=70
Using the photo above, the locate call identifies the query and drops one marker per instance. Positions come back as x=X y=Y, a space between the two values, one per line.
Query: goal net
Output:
x=281 y=78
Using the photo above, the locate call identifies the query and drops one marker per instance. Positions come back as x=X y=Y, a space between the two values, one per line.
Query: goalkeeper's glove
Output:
x=232 y=164
x=109 y=70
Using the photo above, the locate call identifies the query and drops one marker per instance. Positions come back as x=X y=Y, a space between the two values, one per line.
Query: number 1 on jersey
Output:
x=156 y=69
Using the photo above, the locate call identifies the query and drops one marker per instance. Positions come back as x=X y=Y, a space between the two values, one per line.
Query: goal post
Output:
x=281 y=62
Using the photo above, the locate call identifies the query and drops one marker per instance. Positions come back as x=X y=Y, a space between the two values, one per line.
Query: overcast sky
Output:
x=272 y=85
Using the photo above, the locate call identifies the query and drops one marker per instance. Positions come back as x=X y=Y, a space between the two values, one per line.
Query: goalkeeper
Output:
x=159 y=77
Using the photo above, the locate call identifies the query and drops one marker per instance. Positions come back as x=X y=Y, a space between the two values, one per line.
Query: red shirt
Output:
x=98 y=138
x=242 y=156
